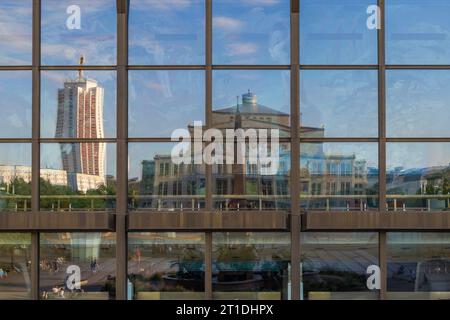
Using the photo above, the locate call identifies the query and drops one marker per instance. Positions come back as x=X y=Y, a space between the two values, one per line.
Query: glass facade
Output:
x=250 y=266
x=166 y=266
x=112 y=182
x=79 y=266
x=15 y=266
x=337 y=266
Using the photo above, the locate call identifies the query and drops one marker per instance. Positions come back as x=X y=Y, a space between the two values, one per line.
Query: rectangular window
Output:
x=77 y=266
x=16 y=36
x=149 y=190
x=348 y=109
x=420 y=182
x=251 y=266
x=360 y=156
x=417 y=32
x=15 y=177
x=167 y=32
x=15 y=102
x=78 y=176
x=335 y=265
x=335 y=32
x=88 y=32
x=15 y=266
x=418 y=266
x=166 y=266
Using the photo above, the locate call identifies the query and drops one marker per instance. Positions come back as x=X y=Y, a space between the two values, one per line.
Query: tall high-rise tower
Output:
x=80 y=115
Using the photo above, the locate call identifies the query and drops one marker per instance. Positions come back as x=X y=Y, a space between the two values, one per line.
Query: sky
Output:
x=244 y=32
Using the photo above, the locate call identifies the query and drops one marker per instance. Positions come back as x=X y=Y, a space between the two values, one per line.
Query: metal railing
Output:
x=394 y=202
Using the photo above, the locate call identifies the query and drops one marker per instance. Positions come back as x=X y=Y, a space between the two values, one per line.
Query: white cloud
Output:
x=227 y=24
x=239 y=48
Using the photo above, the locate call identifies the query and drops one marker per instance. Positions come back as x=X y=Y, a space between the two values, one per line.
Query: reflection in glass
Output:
x=78 y=104
x=418 y=176
x=339 y=176
x=15 y=105
x=253 y=185
x=161 y=102
x=155 y=182
x=418 y=266
x=417 y=103
x=348 y=109
x=251 y=266
x=167 y=32
x=15 y=266
x=15 y=177
x=85 y=28
x=262 y=98
x=251 y=32
x=417 y=32
x=77 y=266
x=166 y=266
x=78 y=176
x=335 y=266
x=15 y=35
x=336 y=32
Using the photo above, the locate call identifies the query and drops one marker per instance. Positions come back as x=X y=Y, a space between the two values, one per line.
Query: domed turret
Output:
x=249 y=98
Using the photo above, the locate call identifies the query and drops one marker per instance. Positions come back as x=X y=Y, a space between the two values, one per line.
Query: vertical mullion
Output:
x=208 y=168
x=382 y=142
x=295 y=150
x=122 y=149
x=35 y=147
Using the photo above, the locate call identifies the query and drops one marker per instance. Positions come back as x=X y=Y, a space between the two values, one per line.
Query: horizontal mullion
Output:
x=355 y=139
x=76 y=140
x=16 y=140
x=339 y=67
x=79 y=67
x=166 y=67
x=251 y=67
x=15 y=68
x=418 y=67
x=281 y=140
x=427 y=139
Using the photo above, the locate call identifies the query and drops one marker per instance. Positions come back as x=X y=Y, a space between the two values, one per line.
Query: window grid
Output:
x=121 y=140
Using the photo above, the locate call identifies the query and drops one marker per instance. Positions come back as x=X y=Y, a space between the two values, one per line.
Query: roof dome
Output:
x=249 y=98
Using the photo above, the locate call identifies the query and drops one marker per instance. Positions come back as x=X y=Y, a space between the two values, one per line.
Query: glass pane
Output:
x=77 y=266
x=15 y=105
x=417 y=32
x=155 y=182
x=166 y=266
x=340 y=266
x=339 y=176
x=348 y=109
x=251 y=32
x=86 y=29
x=15 y=266
x=253 y=183
x=418 y=266
x=251 y=266
x=16 y=36
x=336 y=32
x=263 y=98
x=418 y=176
x=78 y=176
x=161 y=102
x=167 y=32
x=15 y=177
x=78 y=104
x=418 y=103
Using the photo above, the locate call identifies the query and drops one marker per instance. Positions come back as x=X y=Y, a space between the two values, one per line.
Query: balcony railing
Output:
x=362 y=203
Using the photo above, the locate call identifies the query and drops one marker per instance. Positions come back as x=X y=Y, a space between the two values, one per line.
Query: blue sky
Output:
x=244 y=32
